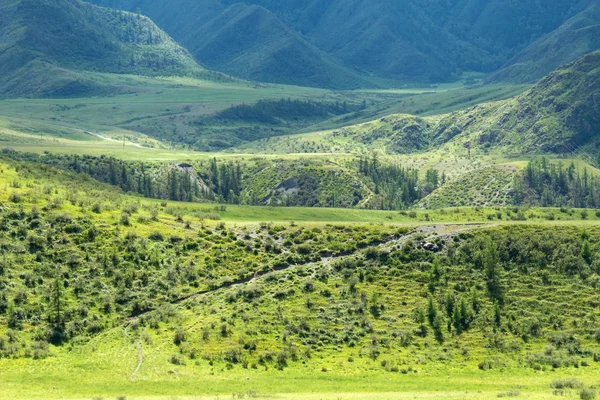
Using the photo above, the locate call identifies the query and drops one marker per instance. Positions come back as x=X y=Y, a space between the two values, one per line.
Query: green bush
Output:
x=587 y=394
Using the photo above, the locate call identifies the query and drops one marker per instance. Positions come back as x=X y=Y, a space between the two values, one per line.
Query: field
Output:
x=159 y=111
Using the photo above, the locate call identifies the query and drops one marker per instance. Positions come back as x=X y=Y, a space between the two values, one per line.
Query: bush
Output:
x=156 y=236
x=180 y=335
x=130 y=208
x=176 y=359
x=570 y=383
x=587 y=394
x=15 y=197
x=125 y=219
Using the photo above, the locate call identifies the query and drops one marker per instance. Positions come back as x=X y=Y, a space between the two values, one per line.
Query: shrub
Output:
x=156 y=236
x=130 y=208
x=176 y=359
x=570 y=383
x=587 y=394
x=15 y=197
x=180 y=336
x=125 y=219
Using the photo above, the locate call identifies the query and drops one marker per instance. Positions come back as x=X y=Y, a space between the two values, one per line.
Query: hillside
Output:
x=258 y=46
x=143 y=291
x=53 y=48
x=557 y=115
x=410 y=40
x=576 y=37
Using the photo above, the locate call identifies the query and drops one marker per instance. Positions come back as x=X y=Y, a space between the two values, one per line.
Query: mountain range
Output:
x=351 y=43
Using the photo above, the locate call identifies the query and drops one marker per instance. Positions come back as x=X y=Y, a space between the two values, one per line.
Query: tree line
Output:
x=398 y=187
x=551 y=184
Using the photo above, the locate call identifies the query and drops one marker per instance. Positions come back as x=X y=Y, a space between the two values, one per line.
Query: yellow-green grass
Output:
x=101 y=369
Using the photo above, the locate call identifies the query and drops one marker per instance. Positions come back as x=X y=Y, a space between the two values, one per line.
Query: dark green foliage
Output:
x=149 y=180
x=243 y=123
x=322 y=43
x=395 y=186
x=547 y=183
x=276 y=112
x=56 y=40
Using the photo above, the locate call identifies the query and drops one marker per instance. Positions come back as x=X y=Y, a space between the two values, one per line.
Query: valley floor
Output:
x=103 y=373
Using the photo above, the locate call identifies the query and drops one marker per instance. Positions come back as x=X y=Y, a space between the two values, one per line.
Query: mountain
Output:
x=559 y=114
x=247 y=41
x=576 y=37
x=49 y=47
x=260 y=47
x=294 y=41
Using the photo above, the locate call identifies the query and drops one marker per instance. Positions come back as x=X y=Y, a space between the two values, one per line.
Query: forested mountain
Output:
x=576 y=37
x=318 y=42
x=47 y=45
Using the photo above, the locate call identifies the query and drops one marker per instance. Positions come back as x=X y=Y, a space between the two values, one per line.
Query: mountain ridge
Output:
x=576 y=37
x=407 y=41
x=57 y=42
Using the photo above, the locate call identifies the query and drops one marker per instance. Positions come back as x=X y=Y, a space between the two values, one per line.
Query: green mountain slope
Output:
x=578 y=36
x=260 y=47
x=559 y=114
x=48 y=46
x=250 y=42
x=408 y=40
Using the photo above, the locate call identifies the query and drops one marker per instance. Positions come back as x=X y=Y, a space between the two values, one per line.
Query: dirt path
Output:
x=428 y=231
x=138 y=344
x=139 y=146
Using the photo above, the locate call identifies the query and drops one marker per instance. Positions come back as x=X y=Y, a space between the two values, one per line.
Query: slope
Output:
x=558 y=115
x=576 y=37
x=48 y=46
x=91 y=279
x=249 y=42
x=405 y=40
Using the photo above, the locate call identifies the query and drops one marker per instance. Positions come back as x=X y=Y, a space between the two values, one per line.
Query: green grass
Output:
x=328 y=248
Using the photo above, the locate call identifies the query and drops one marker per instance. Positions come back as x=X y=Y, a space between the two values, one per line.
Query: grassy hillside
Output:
x=149 y=299
x=557 y=115
x=51 y=46
x=576 y=37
